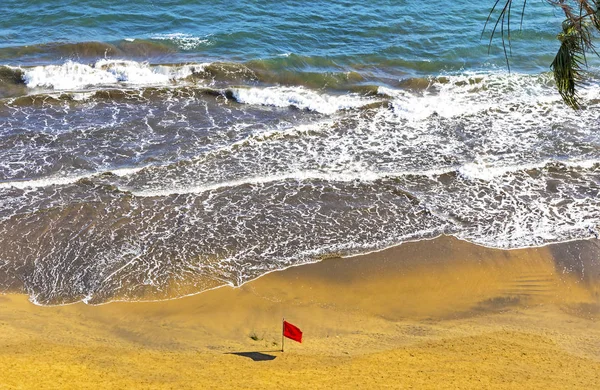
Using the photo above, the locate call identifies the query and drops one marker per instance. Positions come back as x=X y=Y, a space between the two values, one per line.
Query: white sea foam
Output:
x=471 y=93
x=64 y=179
x=485 y=172
x=42 y=182
x=299 y=97
x=183 y=41
x=481 y=171
x=299 y=176
x=76 y=76
x=470 y=171
x=464 y=167
x=121 y=172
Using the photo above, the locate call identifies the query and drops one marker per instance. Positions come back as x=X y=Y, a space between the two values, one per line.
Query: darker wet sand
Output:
x=431 y=314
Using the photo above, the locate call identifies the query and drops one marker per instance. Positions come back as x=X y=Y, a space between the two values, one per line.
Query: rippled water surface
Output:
x=151 y=150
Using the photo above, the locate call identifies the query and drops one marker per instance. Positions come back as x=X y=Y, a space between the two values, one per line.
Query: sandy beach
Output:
x=431 y=314
x=412 y=189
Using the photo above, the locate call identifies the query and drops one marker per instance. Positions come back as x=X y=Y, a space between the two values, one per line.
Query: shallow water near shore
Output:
x=152 y=152
x=428 y=314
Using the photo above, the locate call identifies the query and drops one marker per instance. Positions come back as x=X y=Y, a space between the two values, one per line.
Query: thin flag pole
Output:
x=282 y=331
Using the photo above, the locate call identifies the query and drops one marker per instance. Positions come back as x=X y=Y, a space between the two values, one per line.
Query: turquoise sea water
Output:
x=158 y=149
x=410 y=36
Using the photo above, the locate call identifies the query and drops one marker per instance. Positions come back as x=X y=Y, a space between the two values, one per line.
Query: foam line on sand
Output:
x=433 y=314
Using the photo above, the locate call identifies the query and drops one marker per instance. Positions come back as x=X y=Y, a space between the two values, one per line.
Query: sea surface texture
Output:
x=150 y=150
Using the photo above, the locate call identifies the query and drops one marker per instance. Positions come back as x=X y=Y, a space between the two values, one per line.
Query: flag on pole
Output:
x=292 y=332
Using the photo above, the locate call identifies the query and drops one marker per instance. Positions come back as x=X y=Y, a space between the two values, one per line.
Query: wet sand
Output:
x=431 y=314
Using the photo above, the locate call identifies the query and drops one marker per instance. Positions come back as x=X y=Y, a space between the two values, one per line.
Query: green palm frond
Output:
x=567 y=64
x=582 y=20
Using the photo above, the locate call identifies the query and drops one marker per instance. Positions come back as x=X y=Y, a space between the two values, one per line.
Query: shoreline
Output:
x=325 y=257
x=429 y=314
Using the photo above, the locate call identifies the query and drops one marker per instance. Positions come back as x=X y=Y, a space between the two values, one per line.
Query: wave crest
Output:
x=76 y=76
x=300 y=98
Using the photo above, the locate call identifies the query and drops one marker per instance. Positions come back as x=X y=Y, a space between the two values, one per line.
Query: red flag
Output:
x=292 y=332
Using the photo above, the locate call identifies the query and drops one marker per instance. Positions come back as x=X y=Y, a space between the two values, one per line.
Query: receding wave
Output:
x=65 y=179
x=138 y=180
x=470 y=171
x=86 y=231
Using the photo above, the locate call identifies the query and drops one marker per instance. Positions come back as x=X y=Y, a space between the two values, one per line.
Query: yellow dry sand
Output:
x=434 y=314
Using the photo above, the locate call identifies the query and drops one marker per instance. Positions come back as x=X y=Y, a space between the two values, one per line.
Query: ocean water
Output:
x=151 y=150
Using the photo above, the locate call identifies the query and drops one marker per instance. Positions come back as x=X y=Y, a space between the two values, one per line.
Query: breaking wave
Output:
x=298 y=97
x=146 y=180
x=104 y=73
